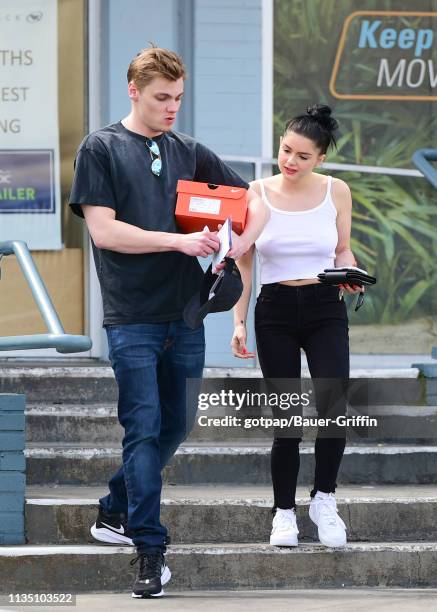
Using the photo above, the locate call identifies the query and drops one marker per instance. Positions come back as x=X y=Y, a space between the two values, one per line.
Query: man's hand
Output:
x=198 y=244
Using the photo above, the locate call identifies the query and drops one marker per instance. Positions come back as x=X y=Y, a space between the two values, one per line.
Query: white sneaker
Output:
x=284 y=528
x=324 y=513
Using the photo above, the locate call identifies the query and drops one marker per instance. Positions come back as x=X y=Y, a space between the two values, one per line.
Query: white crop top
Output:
x=297 y=244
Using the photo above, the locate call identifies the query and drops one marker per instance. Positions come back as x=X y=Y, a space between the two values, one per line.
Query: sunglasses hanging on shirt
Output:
x=155 y=156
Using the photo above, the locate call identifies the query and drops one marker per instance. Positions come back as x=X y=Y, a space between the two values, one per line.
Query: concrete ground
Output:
x=358 y=600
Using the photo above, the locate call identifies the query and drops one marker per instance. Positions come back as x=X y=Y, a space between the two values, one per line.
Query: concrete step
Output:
x=73 y=423
x=371 y=464
x=97 y=424
x=63 y=515
x=60 y=384
x=79 y=569
x=85 y=384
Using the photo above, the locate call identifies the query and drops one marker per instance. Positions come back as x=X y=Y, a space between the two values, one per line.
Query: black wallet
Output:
x=350 y=276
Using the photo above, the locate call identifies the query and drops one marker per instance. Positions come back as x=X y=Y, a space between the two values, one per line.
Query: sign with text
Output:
x=26 y=182
x=29 y=132
x=386 y=55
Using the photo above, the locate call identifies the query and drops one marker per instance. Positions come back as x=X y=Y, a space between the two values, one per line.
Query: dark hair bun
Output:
x=322 y=114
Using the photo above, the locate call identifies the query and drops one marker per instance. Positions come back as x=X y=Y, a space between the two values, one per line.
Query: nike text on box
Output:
x=204 y=204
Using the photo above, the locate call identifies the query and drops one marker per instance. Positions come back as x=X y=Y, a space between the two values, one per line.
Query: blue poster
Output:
x=27 y=182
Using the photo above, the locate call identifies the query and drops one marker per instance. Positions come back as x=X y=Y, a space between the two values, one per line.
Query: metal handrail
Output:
x=260 y=162
x=56 y=338
x=421 y=159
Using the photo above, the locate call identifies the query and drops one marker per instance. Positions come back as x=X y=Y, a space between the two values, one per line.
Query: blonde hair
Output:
x=155 y=62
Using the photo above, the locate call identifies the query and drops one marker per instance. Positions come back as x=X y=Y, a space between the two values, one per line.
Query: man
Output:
x=125 y=187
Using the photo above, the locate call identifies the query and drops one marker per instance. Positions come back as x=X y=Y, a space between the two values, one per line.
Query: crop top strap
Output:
x=263 y=192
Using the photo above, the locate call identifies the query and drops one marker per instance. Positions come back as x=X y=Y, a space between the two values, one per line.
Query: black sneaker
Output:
x=152 y=574
x=112 y=529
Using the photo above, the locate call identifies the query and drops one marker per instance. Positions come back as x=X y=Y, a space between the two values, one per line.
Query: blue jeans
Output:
x=151 y=362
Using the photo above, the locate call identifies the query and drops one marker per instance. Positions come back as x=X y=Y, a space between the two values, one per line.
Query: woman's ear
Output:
x=321 y=160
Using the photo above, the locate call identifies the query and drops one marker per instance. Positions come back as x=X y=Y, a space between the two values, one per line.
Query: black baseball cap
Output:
x=218 y=292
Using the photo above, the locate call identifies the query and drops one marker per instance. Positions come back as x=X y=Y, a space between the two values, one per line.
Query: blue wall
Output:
x=132 y=24
x=227 y=84
x=12 y=469
x=225 y=77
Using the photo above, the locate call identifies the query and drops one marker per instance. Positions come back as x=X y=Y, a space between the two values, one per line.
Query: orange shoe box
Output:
x=200 y=204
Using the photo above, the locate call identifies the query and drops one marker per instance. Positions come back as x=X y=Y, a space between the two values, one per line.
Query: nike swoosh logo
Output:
x=112 y=528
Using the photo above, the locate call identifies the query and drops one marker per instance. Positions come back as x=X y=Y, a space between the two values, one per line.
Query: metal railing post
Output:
x=56 y=338
x=421 y=159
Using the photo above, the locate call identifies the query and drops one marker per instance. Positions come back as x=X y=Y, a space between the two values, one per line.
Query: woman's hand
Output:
x=238 y=343
x=351 y=288
x=239 y=246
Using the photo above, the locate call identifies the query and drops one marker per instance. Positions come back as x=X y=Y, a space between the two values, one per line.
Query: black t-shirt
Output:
x=112 y=169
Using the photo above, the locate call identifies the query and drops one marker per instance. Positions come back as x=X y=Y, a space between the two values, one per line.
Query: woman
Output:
x=308 y=231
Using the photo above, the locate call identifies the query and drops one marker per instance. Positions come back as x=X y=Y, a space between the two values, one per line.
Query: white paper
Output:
x=225 y=237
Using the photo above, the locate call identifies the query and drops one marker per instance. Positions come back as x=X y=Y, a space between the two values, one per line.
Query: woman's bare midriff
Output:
x=300 y=281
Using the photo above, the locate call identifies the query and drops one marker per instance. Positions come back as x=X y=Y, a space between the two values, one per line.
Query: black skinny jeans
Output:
x=310 y=317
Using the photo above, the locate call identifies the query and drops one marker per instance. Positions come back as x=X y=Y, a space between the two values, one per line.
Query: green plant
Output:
x=393 y=236
x=393 y=232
